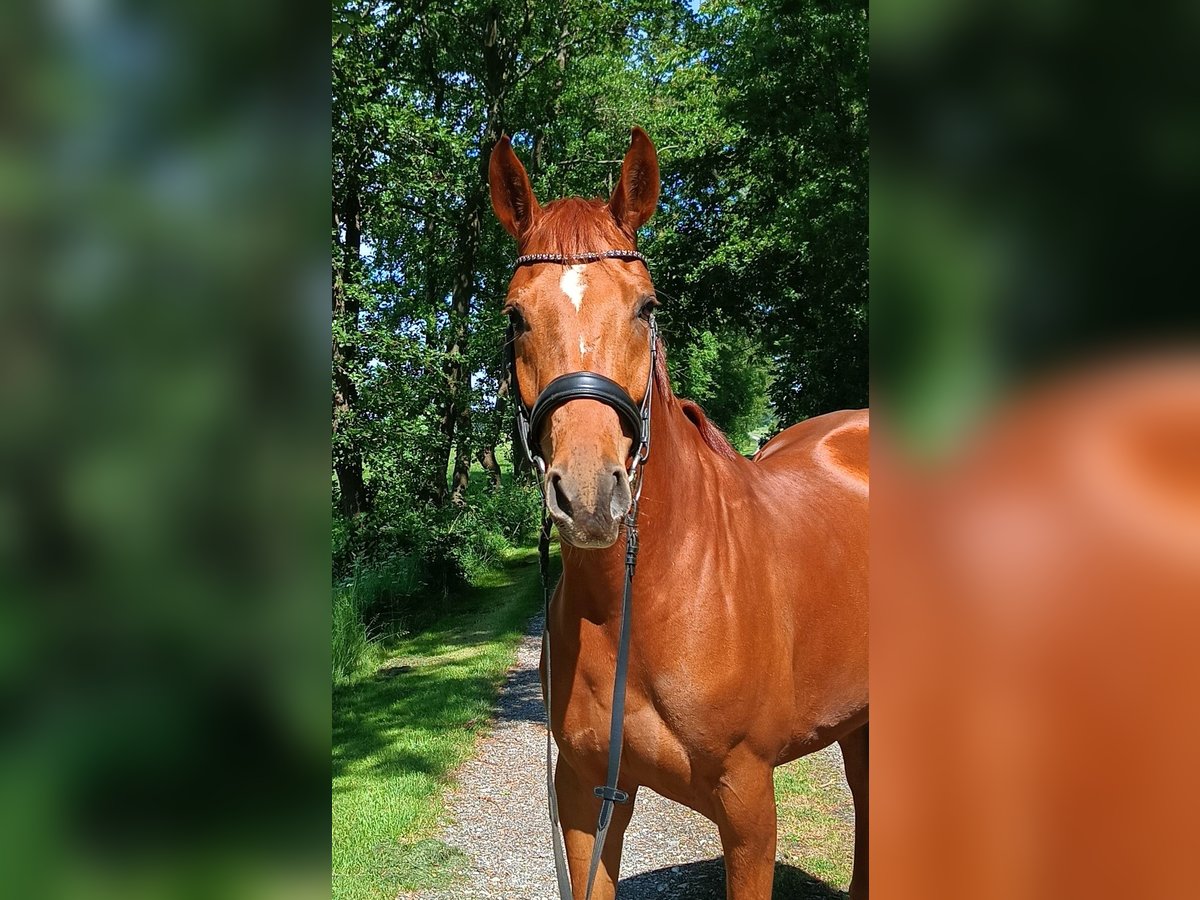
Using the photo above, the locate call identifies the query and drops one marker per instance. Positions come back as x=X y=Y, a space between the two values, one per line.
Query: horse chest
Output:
x=665 y=738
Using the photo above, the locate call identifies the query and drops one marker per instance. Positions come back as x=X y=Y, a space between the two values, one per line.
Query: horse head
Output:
x=573 y=314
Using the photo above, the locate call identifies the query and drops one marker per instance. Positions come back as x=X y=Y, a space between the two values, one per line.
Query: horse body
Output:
x=749 y=631
x=749 y=615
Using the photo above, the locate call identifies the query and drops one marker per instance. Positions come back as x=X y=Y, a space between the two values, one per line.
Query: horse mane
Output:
x=713 y=437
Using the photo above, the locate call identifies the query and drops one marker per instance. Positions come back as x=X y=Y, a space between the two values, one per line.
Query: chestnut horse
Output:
x=749 y=616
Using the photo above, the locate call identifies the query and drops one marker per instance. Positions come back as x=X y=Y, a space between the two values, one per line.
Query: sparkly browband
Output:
x=568 y=259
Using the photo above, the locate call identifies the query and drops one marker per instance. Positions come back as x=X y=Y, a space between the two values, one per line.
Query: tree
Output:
x=789 y=198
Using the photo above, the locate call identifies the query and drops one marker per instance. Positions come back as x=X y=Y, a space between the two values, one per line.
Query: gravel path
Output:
x=498 y=815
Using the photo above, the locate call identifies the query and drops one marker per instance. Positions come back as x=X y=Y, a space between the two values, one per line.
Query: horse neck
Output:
x=672 y=501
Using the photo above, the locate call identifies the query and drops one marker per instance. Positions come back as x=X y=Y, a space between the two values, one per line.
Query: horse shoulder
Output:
x=837 y=443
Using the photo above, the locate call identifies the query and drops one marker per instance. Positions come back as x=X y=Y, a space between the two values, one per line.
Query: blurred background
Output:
x=165 y=508
x=164 y=502
x=1032 y=188
x=1036 y=386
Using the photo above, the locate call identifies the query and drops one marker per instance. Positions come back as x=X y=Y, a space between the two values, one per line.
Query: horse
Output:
x=749 y=637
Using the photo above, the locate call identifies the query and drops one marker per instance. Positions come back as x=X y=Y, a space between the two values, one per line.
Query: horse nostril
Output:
x=620 y=498
x=560 y=497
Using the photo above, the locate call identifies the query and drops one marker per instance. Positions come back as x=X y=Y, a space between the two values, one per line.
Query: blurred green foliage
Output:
x=162 y=352
x=1032 y=198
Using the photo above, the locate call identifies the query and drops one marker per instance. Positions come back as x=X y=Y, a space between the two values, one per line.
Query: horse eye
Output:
x=517 y=320
x=647 y=308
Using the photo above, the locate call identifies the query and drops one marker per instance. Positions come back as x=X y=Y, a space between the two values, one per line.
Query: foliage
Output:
x=727 y=373
x=351 y=636
x=494 y=524
x=768 y=228
x=374 y=603
x=415 y=567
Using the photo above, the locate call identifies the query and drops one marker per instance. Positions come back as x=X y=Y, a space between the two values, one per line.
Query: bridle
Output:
x=584 y=385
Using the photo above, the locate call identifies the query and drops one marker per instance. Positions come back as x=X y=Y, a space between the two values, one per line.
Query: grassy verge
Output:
x=406 y=722
x=816 y=831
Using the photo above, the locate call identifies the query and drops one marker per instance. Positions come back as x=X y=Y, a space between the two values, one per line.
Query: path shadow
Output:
x=521 y=699
x=437 y=695
x=706 y=881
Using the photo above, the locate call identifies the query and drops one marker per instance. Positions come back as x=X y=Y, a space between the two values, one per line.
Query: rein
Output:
x=584 y=385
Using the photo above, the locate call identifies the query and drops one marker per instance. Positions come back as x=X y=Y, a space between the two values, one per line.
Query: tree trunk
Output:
x=487 y=459
x=520 y=462
x=486 y=454
x=456 y=414
x=461 y=476
x=353 y=496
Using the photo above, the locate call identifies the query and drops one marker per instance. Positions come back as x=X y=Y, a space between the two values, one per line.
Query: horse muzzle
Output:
x=588 y=503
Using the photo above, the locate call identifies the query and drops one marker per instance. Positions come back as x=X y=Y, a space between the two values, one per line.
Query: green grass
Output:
x=814 y=832
x=406 y=721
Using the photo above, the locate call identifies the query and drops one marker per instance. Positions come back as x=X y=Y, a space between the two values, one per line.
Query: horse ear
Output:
x=636 y=194
x=512 y=194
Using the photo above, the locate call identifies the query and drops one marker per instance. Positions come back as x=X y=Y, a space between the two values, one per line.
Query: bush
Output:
x=370 y=607
x=416 y=561
x=496 y=523
x=351 y=637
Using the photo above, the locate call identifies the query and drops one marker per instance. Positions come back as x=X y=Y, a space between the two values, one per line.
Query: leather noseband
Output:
x=583 y=386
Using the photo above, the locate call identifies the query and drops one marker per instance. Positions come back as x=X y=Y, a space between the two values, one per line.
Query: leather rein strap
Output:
x=586 y=386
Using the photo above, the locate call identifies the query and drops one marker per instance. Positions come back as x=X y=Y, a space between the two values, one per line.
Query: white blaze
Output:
x=573 y=284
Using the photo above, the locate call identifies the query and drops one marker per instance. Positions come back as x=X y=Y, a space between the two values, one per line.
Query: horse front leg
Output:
x=856 y=755
x=578 y=808
x=745 y=817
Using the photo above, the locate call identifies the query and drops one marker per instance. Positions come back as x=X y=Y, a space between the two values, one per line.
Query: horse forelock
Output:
x=574 y=225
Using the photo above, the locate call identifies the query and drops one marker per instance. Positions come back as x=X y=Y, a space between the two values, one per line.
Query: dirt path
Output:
x=498 y=817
